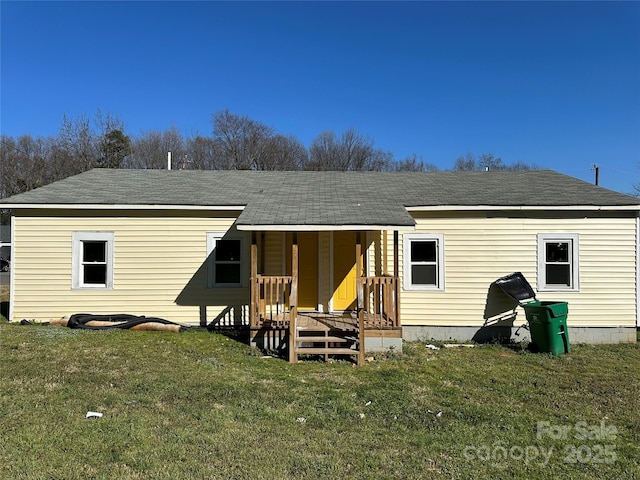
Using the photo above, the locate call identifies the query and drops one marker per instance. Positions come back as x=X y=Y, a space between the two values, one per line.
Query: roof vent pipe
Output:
x=168 y=160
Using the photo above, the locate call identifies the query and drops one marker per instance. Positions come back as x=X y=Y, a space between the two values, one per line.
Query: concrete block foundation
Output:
x=503 y=334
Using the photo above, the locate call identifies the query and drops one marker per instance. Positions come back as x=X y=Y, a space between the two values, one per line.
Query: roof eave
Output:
x=100 y=206
x=321 y=228
x=446 y=208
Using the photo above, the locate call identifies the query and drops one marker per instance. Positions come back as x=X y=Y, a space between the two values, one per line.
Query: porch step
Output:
x=325 y=342
x=325 y=351
x=326 y=336
x=323 y=339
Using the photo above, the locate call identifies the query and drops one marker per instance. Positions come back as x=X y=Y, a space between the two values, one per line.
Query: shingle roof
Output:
x=322 y=198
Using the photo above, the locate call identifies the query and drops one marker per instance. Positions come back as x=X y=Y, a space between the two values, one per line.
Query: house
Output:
x=5 y=241
x=340 y=259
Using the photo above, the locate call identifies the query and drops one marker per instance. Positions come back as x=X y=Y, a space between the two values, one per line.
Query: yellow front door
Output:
x=307 y=269
x=344 y=270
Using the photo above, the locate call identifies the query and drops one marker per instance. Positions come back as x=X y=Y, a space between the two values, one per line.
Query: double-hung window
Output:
x=423 y=261
x=92 y=261
x=558 y=262
x=224 y=260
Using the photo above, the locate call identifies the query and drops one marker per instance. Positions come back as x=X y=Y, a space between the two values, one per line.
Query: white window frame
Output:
x=407 y=263
x=78 y=239
x=574 y=261
x=212 y=238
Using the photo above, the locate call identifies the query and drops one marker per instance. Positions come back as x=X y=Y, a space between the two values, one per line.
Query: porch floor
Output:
x=347 y=320
x=327 y=321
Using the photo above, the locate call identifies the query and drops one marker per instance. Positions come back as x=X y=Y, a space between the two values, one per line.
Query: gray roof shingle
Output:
x=322 y=198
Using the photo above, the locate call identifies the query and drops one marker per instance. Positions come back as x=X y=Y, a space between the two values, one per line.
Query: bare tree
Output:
x=324 y=152
x=489 y=162
x=636 y=187
x=241 y=143
x=412 y=164
x=521 y=166
x=284 y=153
x=465 y=163
x=356 y=151
x=150 y=150
x=380 y=161
x=201 y=152
x=24 y=164
x=76 y=145
x=352 y=151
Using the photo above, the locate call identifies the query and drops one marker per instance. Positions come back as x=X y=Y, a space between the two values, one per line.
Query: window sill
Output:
x=422 y=288
x=92 y=289
x=558 y=290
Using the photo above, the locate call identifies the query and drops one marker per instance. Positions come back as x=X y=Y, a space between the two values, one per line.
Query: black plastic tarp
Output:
x=120 y=320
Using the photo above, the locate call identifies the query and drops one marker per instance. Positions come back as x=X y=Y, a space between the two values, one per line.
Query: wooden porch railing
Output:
x=270 y=299
x=378 y=301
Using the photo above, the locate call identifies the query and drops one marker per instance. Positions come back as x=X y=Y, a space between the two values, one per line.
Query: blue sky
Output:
x=555 y=84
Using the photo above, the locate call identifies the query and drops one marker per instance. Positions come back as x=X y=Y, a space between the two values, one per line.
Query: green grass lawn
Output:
x=201 y=405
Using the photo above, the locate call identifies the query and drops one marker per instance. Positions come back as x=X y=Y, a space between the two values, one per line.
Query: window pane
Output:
x=558 y=275
x=227 y=273
x=424 y=275
x=557 y=252
x=228 y=250
x=423 y=251
x=94 y=251
x=95 y=274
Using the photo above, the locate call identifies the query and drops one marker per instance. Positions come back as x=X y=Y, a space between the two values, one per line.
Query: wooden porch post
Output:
x=262 y=250
x=293 y=299
x=253 y=291
x=360 y=307
x=396 y=274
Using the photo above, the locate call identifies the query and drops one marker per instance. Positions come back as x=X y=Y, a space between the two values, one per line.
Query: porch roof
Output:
x=351 y=214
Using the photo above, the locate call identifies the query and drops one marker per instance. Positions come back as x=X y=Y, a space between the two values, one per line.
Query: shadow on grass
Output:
x=4 y=310
x=239 y=334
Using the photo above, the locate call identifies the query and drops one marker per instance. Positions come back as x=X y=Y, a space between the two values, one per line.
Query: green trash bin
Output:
x=548 y=326
x=547 y=320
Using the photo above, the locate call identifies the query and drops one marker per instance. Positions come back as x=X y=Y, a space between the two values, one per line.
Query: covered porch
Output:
x=360 y=312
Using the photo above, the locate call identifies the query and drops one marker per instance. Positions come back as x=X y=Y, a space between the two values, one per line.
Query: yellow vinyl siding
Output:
x=478 y=250
x=159 y=266
x=160 y=269
x=272 y=250
x=376 y=254
x=308 y=270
